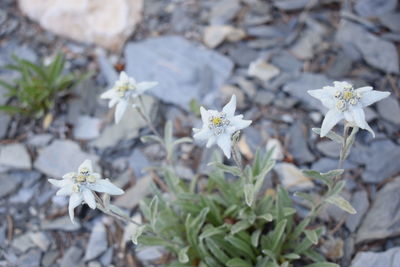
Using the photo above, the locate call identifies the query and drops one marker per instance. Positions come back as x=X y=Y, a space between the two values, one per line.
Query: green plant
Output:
x=34 y=92
x=229 y=221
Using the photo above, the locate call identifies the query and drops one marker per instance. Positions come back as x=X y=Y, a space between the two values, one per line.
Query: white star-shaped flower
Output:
x=79 y=187
x=218 y=127
x=125 y=90
x=345 y=102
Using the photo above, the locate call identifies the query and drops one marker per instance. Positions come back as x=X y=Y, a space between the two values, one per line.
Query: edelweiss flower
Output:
x=79 y=187
x=218 y=127
x=124 y=92
x=345 y=102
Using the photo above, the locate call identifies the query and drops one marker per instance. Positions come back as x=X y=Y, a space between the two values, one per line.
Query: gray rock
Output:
x=24 y=195
x=383 y=219
x=97 y=242
x=389 y=109
x=4 y=121
x=328 y=164
x=32 y=258
x=138 y=161
x=72 y=257
x=86 y=127
x=63 y=223
x=389 y=258
x=308 y=42
x=286 y=61
x=8 y=184
x=341 y=65
x=23 y=243
x=22 y=51
x=107 y=257
x=264 y=98
x=329 y=148
x=292 y=178
x=267 y=31
x=391 y=20
x=61 y=157
x=290 y=5
x=304 y=82
x=370 y=8
x=376 y=52
x=224 y=11
x=15 y=156
x=133 y=195
x=298 y=144
x=127 y=128
x=184 y=70
x=360 y=203
x=107 y=69
x=49 y=258
x=150 y=253
x=40 y=239
x=40 y=140
x=243 y=55
x=377 y=159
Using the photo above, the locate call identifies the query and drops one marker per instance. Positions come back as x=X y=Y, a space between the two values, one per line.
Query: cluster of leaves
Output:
x=34 y=92
x=229 y=221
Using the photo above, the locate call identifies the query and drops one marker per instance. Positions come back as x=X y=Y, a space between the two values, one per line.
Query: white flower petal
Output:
x=373 y=96
x=211 y=141
x=120 y=110
x=239 y=123
x=105 y=186
x=204 y=115
x=108 y=94
x=123 y=77
x=359 y=119
x=144 y=86
x=59 y=183
x=74 y=201
x=325 y=95
x=69 y=175
x=364 y=89
x=132 y=80
x=65 y=190
x=224 y=142
x=203 y=134
x=89 y=198
x=230 y=108
x=332 y=117
x=87 y=164
x=113 y=101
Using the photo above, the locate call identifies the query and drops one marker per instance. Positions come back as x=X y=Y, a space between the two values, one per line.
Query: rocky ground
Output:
x=268 y=53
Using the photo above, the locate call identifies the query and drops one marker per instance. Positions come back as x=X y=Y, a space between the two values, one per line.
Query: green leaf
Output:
x=229 y=169
x=153 y=211
x=312 y=236
x=211 y=231
x=146 y=240
x=249 y=194
x=305 y=196
x=237 y=262
x=240 y=245
x=337 y=188
x=318 y=176
x=331 y=135
x=137 y=232
x=182 y=255
x=278 y=234
x=168 y=134
x=194 y=107
x=333 y=173
x=255 y=237
x=292 y=256
x=240 y=226
x=341 y=203
x=323 y=264
x=182 y=140
x=268 y=217
x=216 y=250
x=349 y=142
x=150 y=138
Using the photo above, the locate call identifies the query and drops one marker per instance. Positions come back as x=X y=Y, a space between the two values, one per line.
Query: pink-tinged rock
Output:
x=107 y=23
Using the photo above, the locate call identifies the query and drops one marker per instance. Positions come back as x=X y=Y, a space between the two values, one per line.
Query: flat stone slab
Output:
x=184 y=70
x=389 y=258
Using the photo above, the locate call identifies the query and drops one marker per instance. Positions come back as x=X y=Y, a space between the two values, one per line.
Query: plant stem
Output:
x=109 y=212
x=146 y=118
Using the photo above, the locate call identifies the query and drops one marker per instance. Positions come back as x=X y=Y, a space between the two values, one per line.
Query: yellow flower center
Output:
x=80 y=178
x=347 y=95
x=91 y=179
x=216 y=121
x=341 y=104
x=75 y=188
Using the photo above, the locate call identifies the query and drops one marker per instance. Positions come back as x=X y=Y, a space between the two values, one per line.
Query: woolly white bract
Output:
x=125 y=90
x=345 y=102
x=218 y=127
x=79 y=187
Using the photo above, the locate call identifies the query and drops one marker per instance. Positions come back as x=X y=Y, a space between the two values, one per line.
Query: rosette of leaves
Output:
x=34 y=92
x=229 y=222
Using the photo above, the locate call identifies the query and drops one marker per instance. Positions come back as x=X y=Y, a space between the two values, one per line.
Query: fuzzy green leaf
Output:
x=182 y=255
x=240 y=226
x=323 y=264
x=341 y=203
x=237 y=262
x=331 y=135
x=312 y=236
